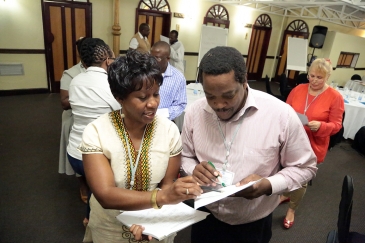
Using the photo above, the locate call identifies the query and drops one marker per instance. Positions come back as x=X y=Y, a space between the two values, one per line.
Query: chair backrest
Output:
x=356 y=77
x=302 y=79
x=283 y=84
x=268 y=88
x=337 y=137
x=284 y=88
x=345 y=209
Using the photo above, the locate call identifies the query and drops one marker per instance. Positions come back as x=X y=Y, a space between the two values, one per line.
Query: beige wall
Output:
x=21 y=20
x=336 y=43
x=21 y=28
x=339 y=38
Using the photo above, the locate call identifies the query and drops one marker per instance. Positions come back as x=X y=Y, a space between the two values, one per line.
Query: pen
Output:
x=218 y=177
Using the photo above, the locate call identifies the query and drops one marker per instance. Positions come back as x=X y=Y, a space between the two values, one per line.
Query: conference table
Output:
x=194 y=91
x=354 y=116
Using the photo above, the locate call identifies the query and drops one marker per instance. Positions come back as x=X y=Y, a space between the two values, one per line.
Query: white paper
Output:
x=163 y=112
x=210 y=197
x=303 y=118
x=160 y=223
x=165 y=39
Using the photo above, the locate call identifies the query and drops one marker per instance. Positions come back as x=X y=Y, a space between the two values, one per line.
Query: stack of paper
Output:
x=210 y=197
x=172 y=218
x=163 y=222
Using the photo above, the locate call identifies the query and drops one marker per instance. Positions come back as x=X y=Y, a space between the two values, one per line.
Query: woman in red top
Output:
x=324 y=107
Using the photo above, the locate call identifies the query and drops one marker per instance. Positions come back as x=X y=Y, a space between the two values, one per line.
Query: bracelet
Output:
x=153 y=199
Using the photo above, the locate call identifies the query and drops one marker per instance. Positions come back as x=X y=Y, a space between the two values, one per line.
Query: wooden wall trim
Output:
x=42 y=51
x=22 y=51
x=23 y=92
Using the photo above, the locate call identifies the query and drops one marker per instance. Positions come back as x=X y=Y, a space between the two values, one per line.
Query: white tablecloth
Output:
x=191 y=96
x=354 y=117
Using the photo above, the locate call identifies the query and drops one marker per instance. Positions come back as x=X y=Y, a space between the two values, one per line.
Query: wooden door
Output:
x=259 y=44
x=298 y=29
x=63 y=24
x=157 y=15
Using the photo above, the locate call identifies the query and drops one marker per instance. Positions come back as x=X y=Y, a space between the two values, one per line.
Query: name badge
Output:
x=227 y=177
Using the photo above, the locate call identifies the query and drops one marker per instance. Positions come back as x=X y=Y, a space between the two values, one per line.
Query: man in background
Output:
x=140 y=40
x=173 y=90
x=177 y=51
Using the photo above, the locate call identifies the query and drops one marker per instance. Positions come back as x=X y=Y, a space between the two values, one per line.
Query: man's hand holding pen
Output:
x=206 y=174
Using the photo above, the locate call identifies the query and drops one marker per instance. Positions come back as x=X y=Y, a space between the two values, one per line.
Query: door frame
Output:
x=263 y=24
x=299 y=29
x=166 y=22
x=53 y=86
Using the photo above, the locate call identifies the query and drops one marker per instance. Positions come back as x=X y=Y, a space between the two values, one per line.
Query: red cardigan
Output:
x=327 y=108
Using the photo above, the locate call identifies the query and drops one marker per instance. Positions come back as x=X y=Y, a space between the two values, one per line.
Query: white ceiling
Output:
x=349 y=13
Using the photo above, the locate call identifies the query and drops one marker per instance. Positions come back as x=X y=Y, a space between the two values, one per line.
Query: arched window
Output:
x=156 y=5
x=263 y=20
x=217 y=15
x=298 y=26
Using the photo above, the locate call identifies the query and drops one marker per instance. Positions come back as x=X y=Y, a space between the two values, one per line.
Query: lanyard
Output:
x=229 y=145
x=306 y=101
x=134 y=167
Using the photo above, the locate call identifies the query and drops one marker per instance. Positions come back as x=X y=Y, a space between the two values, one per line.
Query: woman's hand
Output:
x=137 y=230
x=205 y=174
x=314 y=125
x=182 y=189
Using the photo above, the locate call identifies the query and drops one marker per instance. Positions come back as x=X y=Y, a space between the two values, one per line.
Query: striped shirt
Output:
x=173 y=92
x=271 y=143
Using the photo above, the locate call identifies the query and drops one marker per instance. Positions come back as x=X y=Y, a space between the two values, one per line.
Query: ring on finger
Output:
x=187 y=191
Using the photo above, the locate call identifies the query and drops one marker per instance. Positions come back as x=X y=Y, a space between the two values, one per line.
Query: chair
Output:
x=336 y=138
x=343 y=234
x=284 y=88
x=268 y=89
x=302 y=79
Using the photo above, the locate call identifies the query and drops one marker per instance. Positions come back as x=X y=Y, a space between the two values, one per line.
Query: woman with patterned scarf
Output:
x=132 y=156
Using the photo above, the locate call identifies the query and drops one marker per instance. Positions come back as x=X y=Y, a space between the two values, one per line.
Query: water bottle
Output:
x=361 y=96
x=195 y=91
x=347 y=91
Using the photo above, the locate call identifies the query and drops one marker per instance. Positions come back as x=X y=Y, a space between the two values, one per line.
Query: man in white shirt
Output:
x=140 y=40
x=177 y=51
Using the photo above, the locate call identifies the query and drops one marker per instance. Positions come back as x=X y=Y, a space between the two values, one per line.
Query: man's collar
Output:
x=168 y=71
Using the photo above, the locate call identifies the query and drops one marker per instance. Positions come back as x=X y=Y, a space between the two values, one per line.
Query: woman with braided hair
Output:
x=89 y=96
x=64 y=165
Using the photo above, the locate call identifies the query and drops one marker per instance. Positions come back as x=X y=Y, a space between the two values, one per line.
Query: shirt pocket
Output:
x=261 y=161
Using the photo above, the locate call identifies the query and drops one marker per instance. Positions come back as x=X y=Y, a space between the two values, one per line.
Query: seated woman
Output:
x=130 y=153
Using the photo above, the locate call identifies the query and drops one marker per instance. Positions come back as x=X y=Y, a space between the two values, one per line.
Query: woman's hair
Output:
x=128 y=73
x=94 y=52
x=79 y=43
x=322 y=65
